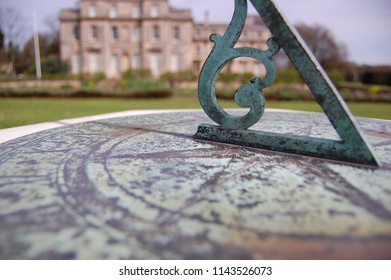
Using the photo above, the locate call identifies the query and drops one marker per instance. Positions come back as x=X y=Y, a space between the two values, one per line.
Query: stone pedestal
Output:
x=141 y=187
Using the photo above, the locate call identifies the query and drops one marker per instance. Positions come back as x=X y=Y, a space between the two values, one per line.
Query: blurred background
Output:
x=65 y=59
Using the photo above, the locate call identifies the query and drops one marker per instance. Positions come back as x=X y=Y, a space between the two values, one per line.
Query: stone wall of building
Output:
x=114 y=35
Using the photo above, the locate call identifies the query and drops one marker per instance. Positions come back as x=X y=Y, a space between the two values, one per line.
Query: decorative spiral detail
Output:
x=249 y=95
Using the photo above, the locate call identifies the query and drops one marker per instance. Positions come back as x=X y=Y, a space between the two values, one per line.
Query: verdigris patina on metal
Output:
x=140 y=187
x=351 y=147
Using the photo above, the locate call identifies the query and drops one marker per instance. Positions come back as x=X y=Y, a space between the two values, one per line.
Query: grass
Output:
x=24 y=111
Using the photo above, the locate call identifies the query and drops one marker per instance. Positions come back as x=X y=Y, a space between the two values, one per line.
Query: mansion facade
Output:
x=112 y=36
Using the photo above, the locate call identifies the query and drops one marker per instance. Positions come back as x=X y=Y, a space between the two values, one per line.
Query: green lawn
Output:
x=23 y=111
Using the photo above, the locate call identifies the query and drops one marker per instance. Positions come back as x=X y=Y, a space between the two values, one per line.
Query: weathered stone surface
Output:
x=143 y=188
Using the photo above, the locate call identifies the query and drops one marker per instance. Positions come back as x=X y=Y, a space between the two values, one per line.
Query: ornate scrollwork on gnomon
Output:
x=249 y=95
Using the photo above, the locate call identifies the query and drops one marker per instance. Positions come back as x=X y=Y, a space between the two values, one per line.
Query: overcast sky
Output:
x=364 y=26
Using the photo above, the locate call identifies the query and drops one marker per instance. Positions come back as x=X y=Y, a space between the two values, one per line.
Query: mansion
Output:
x=111 y=36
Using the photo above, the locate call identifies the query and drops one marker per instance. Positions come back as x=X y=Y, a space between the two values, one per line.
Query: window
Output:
x=155 y=10
x=113 y=11
x=76 y=32
x=114 y=32
x=125 y=60
x=94 y=62
x=155 y=63
x=125 y=33
x=175 y=62
x=243 y=66
x=258 y=69
x=197 y=65
x=156 y=32
x=115 y=64
x=92 y=11
x=136 y=34
x=76 y=63
x=94 y=32
x=198 y=49
x=136 y=61
x=137 y=10
x=176 y=32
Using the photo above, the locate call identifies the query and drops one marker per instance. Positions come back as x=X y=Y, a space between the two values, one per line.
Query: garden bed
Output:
x=81 y=93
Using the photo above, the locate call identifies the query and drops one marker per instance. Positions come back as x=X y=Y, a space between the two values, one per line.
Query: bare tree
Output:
x=12 y=25
x=2 y=58
x=52 y=35
x=1 y=39
x=322 y=43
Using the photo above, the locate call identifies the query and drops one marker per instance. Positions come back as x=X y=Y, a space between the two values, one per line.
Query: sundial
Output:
x=351 y=146
x=143 y=187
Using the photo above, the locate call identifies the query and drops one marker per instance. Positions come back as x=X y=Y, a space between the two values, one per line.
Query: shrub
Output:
x=137 y=74
x=66 y=86
x=336 y=76
x=91 y=80
x=375 y=89
x=225 y=93
x=141 y=82
x=144 y=84
x=187 y=92
x=346 y=94
x=228 y=77
x=376 y=77
x=181 y=76
x=288 y=76
x=292 y=93
x=278 y=92
x=245 y=78
x=52 y=76
x=54 y=65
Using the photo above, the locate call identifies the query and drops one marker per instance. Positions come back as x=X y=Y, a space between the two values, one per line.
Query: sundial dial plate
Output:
x=141 y=187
